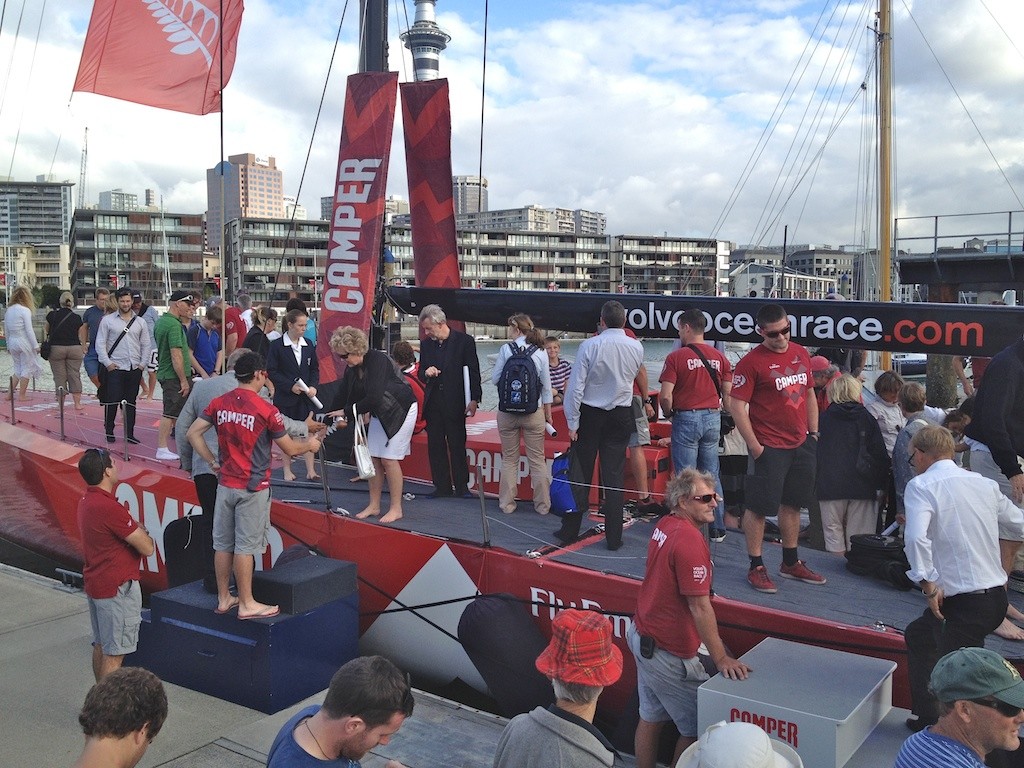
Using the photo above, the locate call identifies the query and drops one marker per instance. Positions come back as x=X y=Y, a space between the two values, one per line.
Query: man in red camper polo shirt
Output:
x=776 y=412
x=674 y=615
x=246 y=424
x=112 y=542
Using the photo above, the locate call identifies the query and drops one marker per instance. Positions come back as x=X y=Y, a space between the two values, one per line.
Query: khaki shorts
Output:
x=241 y=520
x=115 y=620
x=173 y=400
x=642 y=436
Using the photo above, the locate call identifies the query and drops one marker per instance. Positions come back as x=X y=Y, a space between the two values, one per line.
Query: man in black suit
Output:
x=444 y=356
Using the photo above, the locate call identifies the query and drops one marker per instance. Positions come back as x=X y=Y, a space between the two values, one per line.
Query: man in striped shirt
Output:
x=981 y=696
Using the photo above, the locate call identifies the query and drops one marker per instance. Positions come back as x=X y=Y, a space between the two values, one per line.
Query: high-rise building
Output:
x=534 y=218
x=34 y=212
x=252 y=187
x=469 y=193
x=119 y=200
x=147 y=250
x=426 y=40
x=292 y=209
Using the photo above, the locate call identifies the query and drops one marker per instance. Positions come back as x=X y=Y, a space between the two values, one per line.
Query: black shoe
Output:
x=110 y=438
x=133 y=440
x=439 y=495
x=614 y=547
x=564 y=537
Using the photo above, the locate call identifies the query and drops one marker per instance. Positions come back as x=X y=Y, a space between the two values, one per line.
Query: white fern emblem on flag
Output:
x=189 y=25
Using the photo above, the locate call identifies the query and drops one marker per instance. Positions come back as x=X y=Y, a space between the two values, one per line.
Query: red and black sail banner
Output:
x=426 y=116
x=162 y=54
x=354 y=245
x=949 y=329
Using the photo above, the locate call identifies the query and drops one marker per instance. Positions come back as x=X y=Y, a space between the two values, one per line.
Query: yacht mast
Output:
x=885 y=157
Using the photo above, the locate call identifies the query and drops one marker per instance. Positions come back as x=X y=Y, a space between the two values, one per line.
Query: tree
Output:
x=49 y=296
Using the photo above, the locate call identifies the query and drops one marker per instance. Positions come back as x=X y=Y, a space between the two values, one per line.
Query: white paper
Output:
x=305 y=389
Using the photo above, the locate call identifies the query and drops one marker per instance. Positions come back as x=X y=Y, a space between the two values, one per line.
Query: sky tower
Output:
x=426 y=40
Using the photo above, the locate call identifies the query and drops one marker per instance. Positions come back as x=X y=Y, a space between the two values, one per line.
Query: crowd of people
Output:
x=950 y=478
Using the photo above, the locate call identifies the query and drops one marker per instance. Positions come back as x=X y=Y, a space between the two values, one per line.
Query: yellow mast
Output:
x=885 y=157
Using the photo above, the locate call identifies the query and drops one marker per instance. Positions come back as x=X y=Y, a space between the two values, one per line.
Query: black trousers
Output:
x=121 y=385
x=446 y=443
x=206 y=490
x=968 y=619
x=605 y=435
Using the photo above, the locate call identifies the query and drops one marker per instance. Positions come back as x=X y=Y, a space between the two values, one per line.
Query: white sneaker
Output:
x=163 y=454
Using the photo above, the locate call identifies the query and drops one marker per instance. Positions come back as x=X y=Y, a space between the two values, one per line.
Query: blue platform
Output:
x=264 y=664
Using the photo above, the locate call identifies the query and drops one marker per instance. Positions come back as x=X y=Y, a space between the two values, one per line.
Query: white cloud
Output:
x=648 y=112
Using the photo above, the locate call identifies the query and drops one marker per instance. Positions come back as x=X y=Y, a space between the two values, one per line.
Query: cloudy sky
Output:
x=656 y=113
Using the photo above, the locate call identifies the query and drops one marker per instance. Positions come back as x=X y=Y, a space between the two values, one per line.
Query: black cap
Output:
x=136 y=296
x=181 y=296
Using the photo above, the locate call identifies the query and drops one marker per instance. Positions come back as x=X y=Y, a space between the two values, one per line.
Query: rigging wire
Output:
x=808 y=128
x=967 y=111
x=31 y=67
x=483 y=97
x=398 y=21
x=10 y=61
x=305 y=165
x=1006 y=34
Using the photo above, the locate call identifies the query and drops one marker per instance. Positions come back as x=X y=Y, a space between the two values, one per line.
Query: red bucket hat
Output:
x=581 y=650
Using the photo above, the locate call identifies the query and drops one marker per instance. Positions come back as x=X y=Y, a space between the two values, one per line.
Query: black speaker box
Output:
x=305 y=584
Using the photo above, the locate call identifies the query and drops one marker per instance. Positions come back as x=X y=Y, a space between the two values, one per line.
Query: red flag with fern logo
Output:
x=162 y=53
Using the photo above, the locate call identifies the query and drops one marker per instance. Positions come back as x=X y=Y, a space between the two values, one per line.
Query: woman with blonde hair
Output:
x=379 y=394
x=516 y=426
x=21 y=339
x=853 y=465
x=67 y=350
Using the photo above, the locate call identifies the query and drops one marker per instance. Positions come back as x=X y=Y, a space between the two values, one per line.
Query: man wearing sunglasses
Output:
x=776 y=413
x=674 y=615
x=174 y=367
x=980 y=696
x=954 y=521
x=112 y=542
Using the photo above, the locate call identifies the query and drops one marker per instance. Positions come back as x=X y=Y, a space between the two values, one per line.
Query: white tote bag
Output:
x=364 y=463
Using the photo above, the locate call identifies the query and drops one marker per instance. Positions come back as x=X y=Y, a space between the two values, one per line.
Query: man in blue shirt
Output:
x=91 y=317
x=981 y=696
x=368 y=700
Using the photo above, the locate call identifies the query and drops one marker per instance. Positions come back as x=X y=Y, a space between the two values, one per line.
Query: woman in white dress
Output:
x=21 y=339
x=376 y=390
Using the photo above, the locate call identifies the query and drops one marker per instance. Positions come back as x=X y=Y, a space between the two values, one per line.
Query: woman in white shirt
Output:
x=21 y=339
x=528 y=427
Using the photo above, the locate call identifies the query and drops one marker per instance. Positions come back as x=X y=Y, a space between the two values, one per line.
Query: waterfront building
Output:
x=35 y=211
x=253 y=187
x=119 y=200
x=534 y=218
x=274 y=259
x=469 y=194
x=425 y=39
x=147 y=250
x=770 y=281
x=678 y=266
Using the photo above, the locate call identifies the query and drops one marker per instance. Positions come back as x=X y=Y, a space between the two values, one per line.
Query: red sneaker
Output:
x=761 y=581
x=801 y=572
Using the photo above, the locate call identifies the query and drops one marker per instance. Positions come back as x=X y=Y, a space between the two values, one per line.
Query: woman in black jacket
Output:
x=67 y=350
x=853 y=465
x=290 y=359
x=383 y=399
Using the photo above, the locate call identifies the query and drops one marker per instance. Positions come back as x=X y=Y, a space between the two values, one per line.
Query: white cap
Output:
x=738 y=745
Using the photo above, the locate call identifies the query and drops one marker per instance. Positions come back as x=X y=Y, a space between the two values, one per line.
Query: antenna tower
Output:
x=81 y=173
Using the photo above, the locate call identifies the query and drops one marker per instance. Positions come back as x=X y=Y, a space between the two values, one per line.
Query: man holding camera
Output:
x=674 y=615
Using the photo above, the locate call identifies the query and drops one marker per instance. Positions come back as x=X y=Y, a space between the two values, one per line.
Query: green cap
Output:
x=974 y=673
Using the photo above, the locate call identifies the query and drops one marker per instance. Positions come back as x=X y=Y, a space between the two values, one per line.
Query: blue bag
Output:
x=562 y=501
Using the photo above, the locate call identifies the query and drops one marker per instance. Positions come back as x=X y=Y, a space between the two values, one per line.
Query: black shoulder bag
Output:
x=45 y=348
x=728 y=423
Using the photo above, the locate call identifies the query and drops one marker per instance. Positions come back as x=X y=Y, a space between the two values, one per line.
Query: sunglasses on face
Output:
x=707 y=498
x=775 y=334
x=1004 y=709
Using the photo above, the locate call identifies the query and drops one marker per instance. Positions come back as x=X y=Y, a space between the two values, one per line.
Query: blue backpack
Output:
x=519 y=383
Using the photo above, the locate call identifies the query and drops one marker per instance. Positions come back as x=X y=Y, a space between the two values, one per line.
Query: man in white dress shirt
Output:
x=599 y=414
x=952 y=542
